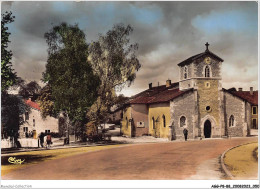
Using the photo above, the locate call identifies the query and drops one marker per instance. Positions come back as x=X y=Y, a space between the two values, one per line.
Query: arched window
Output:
x=185 y=72
x=126 y=122
x=153 y=123
x=231 y=121
x=207 y=71
x=164 y=122
x=182 y=121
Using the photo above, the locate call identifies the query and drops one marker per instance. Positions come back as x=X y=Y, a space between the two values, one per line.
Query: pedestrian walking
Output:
x=26 y=134
x=185 y=132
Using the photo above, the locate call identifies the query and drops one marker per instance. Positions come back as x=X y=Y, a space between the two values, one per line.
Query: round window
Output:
x=208 y=108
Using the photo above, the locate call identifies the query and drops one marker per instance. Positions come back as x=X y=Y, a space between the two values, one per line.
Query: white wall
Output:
x=49 y=123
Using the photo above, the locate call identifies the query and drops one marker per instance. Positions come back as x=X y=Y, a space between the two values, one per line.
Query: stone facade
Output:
x=200 y=104
x=184 y=106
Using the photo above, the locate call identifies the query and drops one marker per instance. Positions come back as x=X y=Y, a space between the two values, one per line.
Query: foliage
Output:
x=8 y=76
x=120 y=101
x=68 y=73
x=46 y=103
x=12 y=109
x=114 y=60
x=31 y=89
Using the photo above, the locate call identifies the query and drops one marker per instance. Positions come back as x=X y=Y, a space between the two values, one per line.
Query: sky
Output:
x=167 y=33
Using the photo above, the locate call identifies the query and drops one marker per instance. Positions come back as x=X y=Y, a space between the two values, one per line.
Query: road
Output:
x=170 y=160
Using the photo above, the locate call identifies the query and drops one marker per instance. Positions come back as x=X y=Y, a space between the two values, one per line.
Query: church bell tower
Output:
x=202 y=73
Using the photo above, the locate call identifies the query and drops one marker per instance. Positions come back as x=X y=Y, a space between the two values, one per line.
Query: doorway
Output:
x=207 y=129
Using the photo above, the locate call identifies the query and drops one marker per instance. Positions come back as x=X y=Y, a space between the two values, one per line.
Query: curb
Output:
x=223 y=166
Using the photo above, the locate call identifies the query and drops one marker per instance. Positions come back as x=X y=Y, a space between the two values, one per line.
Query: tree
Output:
x=114 y=60
x=12 y=109
x=46 y=102
x=68 y=73
x=8 y=76
x=31 y=89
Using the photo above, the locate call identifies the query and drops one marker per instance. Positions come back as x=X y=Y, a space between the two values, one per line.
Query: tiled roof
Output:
x=157 y=94
x=245 y=95
x=32 y=104
x=192 y=58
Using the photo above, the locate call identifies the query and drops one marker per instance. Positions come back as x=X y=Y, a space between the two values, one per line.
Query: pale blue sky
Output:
x=167 y=33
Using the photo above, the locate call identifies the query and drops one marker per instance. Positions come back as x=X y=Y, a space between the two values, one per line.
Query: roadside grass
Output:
x=35 y=157
x=241 y=161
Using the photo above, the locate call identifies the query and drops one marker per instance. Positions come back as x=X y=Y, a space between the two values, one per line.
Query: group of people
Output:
x=29 y=135
x=45 y=140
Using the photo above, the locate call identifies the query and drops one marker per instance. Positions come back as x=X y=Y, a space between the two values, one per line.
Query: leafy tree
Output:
x=114 y=60
x=8 y=76
x=46 y=102
x=68 y=73
x=13 y=108
x=31 y=89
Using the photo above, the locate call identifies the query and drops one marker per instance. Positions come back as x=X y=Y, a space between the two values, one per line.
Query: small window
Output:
x=254 y=110
x=34 y=122
x=254 y=124
x=164 y=122
x=182 y=121
x=208 y=108
x=153 y=123
x=26 y=116
x=207 y=71
x=21 y=119
x=25 y=129
x=207 y=84
x=185 y=72
x=231 y=121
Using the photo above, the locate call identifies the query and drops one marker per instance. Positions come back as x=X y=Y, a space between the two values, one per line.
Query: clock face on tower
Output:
x=207 y=60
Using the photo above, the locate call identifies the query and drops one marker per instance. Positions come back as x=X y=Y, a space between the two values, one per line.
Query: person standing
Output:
x=48 y=140
x=185 y=132
x=41 y=139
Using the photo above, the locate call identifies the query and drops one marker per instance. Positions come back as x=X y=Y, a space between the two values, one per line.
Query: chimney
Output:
x=168 y=83
x=251 y=91
x=150 y=85
x=240 y=89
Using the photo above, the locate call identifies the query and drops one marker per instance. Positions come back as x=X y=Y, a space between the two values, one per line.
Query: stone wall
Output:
x=209 y=97
x=236 y=107
x=184 y=105
x=215 y=67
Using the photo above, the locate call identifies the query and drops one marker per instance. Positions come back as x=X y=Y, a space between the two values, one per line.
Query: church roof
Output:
x=32 y=104
x=245 y=95
x=192 y=58
x=157 y=94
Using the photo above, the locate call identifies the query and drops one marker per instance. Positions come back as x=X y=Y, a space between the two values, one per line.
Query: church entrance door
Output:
x=207 y=129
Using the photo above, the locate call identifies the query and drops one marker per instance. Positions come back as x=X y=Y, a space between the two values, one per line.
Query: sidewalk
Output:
x=59 y=144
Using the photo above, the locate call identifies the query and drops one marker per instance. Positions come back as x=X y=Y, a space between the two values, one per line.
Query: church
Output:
x=197 y=102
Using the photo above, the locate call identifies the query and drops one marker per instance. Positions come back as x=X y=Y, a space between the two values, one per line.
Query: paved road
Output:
x=171 y=160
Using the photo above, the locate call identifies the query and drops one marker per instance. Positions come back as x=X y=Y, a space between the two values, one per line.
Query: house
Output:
x=197 y=102
x=33 y=122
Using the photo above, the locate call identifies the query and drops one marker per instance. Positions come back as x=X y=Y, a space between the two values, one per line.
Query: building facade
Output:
x=35 y=124
x=197 y=102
